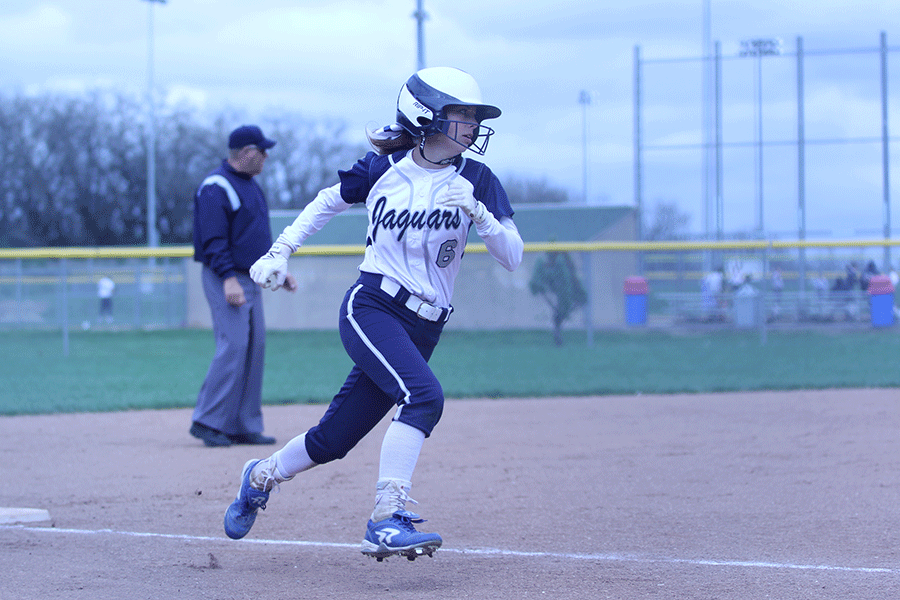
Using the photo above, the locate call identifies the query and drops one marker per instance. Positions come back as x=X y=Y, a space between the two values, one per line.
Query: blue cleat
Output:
x=396 y=535
x=240 y=516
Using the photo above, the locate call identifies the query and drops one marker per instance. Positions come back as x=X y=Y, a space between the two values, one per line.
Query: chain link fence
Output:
x=751 y=284
x=54 y=293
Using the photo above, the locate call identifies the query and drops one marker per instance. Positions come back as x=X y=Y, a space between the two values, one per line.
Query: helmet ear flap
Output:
x=412 y=114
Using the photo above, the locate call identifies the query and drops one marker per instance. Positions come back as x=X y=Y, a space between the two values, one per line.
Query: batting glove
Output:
x=270 y=271
x=460 y=196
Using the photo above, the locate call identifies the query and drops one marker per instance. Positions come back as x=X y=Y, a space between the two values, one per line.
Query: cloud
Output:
x=40 y=26
x=532 y=58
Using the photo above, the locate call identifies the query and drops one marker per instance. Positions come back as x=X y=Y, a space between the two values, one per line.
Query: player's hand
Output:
x=290 y=283
x=270 y=271
x=234 y=293
x=460 y=196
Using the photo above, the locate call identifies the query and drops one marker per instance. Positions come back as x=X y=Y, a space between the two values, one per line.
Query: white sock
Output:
x=391 y=495
x=400 y=451
x=293 y=458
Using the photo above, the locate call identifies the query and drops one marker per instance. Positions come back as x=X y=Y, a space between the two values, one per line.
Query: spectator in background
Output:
x=895 y=279
x=105 y=289
x=232 y=231
x=711 y=290
x=820 y=285
x=848 y=282
x=777 y=283
x=866 y=276
x=777 y=291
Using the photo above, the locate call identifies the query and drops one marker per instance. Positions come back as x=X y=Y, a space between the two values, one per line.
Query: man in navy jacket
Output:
x=231 y=231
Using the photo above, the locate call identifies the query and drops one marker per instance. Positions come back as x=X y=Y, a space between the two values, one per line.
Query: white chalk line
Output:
x=476 y=551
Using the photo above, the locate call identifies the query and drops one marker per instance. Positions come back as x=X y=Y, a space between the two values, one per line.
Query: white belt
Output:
x=423 y=310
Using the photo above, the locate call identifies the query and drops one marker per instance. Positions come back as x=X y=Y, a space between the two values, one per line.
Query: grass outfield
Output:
x=108 y=371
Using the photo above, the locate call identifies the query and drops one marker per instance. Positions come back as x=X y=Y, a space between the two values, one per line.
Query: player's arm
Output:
x=503 y=242
x=311 y=219
x=500 y=235
x=270 y=271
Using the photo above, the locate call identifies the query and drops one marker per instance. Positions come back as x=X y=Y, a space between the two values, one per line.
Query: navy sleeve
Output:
x=211 y=237
x=358 y=181
x=488 y=188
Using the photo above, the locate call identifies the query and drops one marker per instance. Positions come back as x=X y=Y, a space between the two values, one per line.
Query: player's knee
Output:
x=423 y=415
x=323 y=449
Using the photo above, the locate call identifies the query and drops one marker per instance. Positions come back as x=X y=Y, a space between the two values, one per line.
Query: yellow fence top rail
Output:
x=348 y=250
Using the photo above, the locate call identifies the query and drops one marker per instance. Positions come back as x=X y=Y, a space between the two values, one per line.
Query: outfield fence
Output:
x=57 y=288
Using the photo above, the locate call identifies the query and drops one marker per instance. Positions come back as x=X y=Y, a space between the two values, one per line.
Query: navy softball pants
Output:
x=390 y=347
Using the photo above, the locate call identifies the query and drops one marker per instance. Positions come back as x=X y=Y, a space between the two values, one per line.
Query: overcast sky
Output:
x=347 y=59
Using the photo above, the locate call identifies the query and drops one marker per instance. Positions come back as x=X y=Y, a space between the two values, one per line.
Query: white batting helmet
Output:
x=424 y=98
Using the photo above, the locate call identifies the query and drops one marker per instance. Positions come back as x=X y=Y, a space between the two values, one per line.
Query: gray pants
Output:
x=231 y=396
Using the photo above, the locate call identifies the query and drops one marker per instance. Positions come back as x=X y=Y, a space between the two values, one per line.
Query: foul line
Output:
x=475 y=551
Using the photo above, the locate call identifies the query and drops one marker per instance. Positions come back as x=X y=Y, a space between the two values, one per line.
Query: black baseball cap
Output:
x=249 y=135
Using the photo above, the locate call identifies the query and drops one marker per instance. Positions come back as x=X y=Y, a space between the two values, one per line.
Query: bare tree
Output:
x=15 y=158
x=667 y=223
x=69 y=178
x=186 y=152
x=306 y=159
x=527 y=191
x=75 y=167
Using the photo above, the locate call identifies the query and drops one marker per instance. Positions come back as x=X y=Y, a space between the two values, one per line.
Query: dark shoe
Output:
x=253 y=439
x=397 y=535
x=210 y=436
x=241 y=514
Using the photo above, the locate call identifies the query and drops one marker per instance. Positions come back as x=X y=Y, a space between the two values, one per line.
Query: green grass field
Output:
x=108 y=371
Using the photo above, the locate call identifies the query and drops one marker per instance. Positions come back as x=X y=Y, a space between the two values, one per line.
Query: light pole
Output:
x=706 y=122
x=885 y=147
x=420 y=16
x=152 y=232
x=760 y=48
x=584 y=98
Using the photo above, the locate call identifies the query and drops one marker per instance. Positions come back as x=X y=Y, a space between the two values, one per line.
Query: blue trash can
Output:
x=636 y=289
x=881 y=300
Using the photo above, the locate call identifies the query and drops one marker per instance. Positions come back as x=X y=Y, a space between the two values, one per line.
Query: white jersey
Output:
x=105 y=287
x=410 y=239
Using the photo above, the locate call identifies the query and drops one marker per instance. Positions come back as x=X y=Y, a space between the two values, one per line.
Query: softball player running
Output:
x=422 y=197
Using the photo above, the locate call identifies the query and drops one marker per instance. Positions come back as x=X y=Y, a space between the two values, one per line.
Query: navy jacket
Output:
x=231 y=229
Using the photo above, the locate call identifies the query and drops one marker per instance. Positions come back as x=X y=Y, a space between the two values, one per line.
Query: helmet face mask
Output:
x=426 y=97
x=480 y=135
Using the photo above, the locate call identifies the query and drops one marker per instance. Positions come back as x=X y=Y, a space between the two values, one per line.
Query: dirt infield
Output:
x=750 y=495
